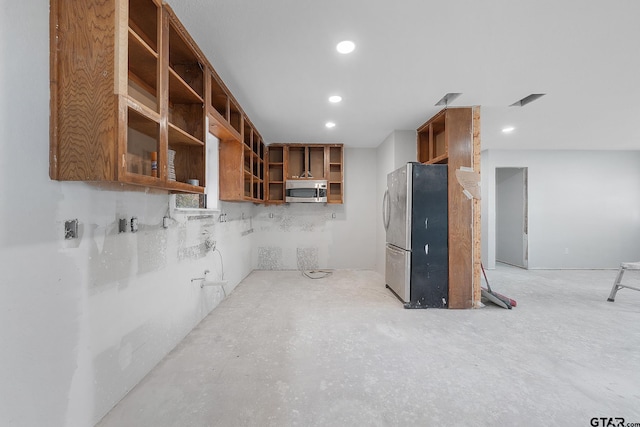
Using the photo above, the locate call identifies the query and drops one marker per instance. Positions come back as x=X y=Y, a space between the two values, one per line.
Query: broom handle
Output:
x=485 y=277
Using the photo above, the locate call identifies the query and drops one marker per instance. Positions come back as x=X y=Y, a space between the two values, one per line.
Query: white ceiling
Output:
x=279 y=60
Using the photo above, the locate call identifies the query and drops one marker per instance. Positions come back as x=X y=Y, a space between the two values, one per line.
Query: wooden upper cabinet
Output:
x=275 y=192
x=185 y=103
x=433 y=143
x=219 y=110
x=243 y=166
x=127 y=95
x=296 y=161
x=242 y=161
x=335 y=173
x=144 y=22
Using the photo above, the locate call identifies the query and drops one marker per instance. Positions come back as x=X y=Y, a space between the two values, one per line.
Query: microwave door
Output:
x=303 y=193
x=306 y=191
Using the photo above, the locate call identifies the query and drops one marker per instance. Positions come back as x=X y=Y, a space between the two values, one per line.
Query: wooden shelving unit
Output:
x=452 y=137
x=335 y=174
x=297 y=161
x=242 y=150
x=242 y=159
x=253 y=164
x=125 y=96
x=275 y=174
x=185 y=104
x=433 y=144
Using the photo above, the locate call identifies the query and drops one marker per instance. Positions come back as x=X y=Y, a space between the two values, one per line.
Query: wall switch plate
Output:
x=165 y=222
x=122 y=225
x=71 y=229
x=134 y=224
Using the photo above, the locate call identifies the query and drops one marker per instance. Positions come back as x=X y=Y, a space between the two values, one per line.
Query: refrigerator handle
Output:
x=385 y=209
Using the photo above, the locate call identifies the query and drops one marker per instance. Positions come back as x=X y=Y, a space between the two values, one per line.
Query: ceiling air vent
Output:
x=527 y=100
x=448 y=99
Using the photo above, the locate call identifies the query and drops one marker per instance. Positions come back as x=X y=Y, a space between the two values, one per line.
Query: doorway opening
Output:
x=512 y=211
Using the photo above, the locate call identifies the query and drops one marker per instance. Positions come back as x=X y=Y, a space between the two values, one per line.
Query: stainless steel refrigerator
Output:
x=414 y=211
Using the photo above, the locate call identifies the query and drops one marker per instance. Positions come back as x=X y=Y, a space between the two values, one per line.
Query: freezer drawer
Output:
x=397 y=271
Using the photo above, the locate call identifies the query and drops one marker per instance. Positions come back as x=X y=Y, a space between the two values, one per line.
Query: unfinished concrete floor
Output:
x=284 y=350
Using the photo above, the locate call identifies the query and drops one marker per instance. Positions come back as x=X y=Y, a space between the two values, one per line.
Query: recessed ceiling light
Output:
x=508 y=129
x=330 y=125
x=346 y=46
x=335 y=99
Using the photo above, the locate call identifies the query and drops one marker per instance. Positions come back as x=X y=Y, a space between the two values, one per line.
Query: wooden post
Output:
x=477 y=224
x=459 y=130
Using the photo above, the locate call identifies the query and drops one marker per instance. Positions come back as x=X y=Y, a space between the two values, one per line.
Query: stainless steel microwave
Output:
x=306 y=191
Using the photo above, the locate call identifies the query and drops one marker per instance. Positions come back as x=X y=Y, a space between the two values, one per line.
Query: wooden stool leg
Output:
x=616 y=285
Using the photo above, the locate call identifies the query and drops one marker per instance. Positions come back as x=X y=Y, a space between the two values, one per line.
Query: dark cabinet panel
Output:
x=429 y=237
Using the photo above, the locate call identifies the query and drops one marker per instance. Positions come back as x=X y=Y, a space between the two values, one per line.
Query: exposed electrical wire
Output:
x=221 y=263
x=314 y=274
x=221 y=284
x=317 y=274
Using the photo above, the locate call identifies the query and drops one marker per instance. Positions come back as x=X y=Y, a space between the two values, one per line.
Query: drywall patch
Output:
x=310 y=224
x=193 y=252
x=151 y=247
x=269 y=258
x=192 y=234
x=285 y=223
x=307 y=258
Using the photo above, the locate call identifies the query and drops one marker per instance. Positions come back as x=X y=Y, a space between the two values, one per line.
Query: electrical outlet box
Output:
x=122 y=225
x=71 y=229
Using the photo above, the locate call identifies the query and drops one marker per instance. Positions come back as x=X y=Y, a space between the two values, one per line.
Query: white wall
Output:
x=82 y=321
x=307 y=236
x=584 y=206
x=395 y=151
x=510 y=206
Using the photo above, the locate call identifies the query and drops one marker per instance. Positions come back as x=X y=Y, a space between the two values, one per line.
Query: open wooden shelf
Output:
x=433 y=142
x=143 y=124
x=178 y=136
x=442 y=159
x=219 y=98
x=242 y=171
x=275 y=174
x=235 y=116
x=143 y=58
x=180 y=92
x=143 y=62
x=143 y=20
x=335 y=174
x=183 y=187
